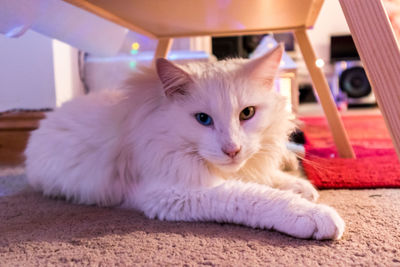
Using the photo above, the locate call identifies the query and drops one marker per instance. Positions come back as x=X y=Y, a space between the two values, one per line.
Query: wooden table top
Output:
x=181 y=18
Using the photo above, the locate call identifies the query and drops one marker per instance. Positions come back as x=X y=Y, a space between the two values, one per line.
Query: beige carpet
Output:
x=39 y=231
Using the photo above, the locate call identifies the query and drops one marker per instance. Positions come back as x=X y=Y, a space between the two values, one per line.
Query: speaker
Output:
x=350 y=82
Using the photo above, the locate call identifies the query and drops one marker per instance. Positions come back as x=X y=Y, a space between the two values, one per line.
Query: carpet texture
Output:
x=38 y=231
x=376 y=164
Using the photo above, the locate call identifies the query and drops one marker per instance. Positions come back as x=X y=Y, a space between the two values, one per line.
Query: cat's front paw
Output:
x=329 y=224
x=320 y=222
x=302 y=187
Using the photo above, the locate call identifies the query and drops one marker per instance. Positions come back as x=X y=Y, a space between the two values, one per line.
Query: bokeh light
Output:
x=135 y=46
x=132 y=64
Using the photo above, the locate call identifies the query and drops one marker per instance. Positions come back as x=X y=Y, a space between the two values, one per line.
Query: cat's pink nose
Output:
x=231 y=151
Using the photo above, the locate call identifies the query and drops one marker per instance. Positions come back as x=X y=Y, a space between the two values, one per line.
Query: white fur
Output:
x=142 y=148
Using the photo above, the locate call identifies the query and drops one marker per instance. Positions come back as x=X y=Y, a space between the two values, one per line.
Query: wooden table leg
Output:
x=294 y=93
x=163 y=47
x=377 y=45
x=325 y=97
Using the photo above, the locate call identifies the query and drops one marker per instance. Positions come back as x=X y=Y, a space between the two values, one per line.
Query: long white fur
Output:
x=142 y=148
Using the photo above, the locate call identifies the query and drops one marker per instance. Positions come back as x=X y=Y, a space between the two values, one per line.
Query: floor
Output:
x=35 y=230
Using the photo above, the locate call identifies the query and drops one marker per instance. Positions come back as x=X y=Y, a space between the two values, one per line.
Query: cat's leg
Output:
x=297 y=185
x=249 y=204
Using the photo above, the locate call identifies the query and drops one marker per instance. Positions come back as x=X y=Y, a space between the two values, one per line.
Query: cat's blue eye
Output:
x=204 y=119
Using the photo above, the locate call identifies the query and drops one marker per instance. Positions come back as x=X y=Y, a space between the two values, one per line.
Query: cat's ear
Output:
x=174 y=79
x=264 y=68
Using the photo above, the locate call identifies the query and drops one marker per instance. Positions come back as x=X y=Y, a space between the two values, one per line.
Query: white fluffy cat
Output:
x=198 y=142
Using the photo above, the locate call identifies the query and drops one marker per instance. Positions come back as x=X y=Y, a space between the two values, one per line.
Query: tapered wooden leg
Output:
x=328 y=105
x=294 y=96
x=377 y=45
x=163 y=47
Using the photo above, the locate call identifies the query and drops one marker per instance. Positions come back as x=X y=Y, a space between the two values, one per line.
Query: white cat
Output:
x=198 y=142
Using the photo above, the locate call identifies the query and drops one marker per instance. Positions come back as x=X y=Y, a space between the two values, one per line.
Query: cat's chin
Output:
x=231 y=167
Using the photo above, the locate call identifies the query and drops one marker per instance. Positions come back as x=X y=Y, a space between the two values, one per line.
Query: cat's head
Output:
x=226 y=111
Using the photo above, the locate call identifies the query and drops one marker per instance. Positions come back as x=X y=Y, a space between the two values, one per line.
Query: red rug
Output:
x=376 y=165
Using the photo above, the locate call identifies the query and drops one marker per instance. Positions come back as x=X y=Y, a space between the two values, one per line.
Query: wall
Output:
x=26 y=72
x=330 y=21
x=37 y=72
x=66 y=72
x=27 y=77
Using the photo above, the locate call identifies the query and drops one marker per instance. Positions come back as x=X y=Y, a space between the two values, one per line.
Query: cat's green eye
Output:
x=247 y=113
